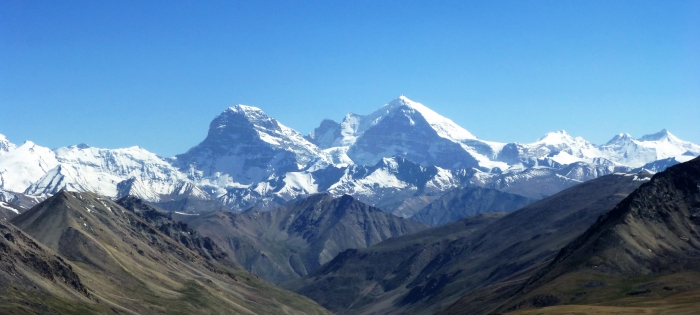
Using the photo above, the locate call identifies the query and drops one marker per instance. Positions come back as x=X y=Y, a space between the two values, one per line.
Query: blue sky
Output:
x=155 y=73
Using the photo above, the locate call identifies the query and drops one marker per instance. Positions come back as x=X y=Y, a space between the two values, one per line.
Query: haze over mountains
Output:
x=399 y=158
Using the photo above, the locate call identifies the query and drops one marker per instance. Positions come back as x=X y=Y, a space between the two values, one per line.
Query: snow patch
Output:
x=7 y=206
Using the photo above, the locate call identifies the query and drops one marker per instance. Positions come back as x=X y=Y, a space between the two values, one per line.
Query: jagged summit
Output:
x=241 y=115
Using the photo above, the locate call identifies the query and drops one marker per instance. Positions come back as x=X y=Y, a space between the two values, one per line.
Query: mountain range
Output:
x=399 y=158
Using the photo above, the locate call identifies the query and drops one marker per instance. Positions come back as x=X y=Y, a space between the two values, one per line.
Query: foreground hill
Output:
x=140 y=262
x=291 y=241
x=428 y=271
x=645 y=252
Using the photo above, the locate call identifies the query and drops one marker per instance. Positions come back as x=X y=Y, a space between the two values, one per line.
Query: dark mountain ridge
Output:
x=467 y=201
x=292 y=240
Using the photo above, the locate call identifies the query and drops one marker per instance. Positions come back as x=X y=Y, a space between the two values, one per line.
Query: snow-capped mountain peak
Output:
x=252 y=113
x=246 y=146
x=621 y=137
x=445 y=127
x=556 y=138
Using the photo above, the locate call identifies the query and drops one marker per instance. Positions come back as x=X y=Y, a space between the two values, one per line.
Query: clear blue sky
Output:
x=155 y=73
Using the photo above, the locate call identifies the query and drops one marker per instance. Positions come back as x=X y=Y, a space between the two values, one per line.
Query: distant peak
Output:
x=661 y=135
x=555 y=136
x=82 y=146
x=445 y=127
x=623 y=136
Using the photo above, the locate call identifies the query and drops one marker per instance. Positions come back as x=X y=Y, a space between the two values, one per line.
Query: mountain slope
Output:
x=132 y=266
x=464 y=202
x=635 y=249
x=33 y=279
x=291 y=241
x=403 y=275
